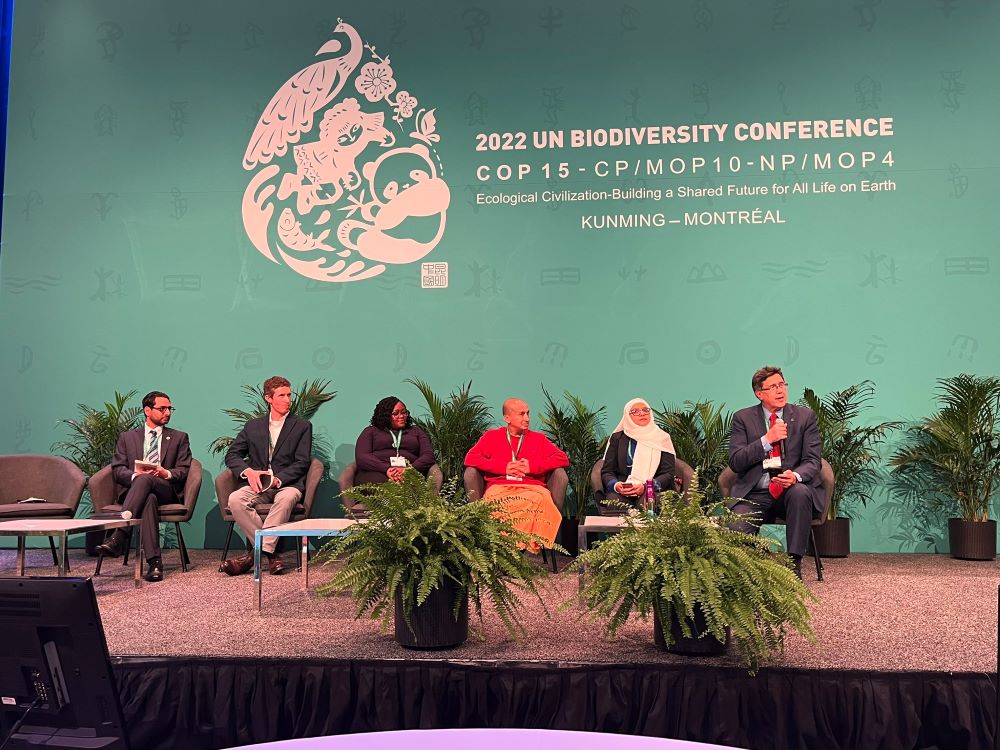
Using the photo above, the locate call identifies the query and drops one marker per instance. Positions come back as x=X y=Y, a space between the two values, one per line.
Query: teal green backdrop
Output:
x=131 y=258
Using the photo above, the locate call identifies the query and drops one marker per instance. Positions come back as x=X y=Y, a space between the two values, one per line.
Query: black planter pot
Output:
x=433 y=623
x=972 y=540
x=568 y=536
x=833 y=538
x=708 y=645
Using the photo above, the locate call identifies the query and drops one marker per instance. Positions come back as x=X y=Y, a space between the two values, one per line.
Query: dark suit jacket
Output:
x=175 y=456
x=801 y=455
x=292 y=450
x=616 y=458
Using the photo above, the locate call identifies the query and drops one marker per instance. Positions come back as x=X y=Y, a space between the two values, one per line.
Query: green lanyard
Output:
x=397 y=438
x=513 y=453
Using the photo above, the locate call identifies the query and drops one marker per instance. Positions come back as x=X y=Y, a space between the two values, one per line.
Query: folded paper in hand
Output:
x=266 y=480
x=141 y=465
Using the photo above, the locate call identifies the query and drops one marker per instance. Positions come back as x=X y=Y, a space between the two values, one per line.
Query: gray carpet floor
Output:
x=875 y=612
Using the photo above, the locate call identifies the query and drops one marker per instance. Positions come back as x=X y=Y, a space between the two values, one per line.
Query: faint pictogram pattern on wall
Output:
x=805 y=270
x=22 y=433
x=109 y=33
x=958 y=181
x=963 y=347
x=555 y=353
x=27 y=359
x=877 y=349
x=706 y=273
x=968 y=265
x=952 y=90
x=174 y=358
x=23 y=284
x=346 y=175
x=867 y=17
x=708 y=352
x=628 y=17
x=476 y=21
x=633 y=353
x=882 y=270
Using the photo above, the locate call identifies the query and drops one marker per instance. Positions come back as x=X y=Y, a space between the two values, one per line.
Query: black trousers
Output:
x=143 y=500
x=795 y=505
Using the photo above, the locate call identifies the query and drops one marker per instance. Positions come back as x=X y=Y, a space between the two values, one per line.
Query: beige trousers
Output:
x=243 y=505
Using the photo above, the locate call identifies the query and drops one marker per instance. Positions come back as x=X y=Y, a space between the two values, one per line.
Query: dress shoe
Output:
x=154 y=573
x=237 y=566
x=276 y=566
x=114 y=545
x=797 y=566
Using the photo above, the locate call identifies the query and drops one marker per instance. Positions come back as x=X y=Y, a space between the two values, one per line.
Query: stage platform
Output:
x=905 y=657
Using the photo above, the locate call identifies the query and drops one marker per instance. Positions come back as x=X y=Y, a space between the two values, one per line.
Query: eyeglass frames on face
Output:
x=775 y=387
x=163 y=408
x=403 y=413
x=638 y=412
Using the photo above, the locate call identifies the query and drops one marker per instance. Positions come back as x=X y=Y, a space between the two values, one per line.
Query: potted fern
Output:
x=704 y=583
x=421 y=558
x=951 y=461
x=700 y=432
x=452 y=424
x=579 y=431
x=852 y=451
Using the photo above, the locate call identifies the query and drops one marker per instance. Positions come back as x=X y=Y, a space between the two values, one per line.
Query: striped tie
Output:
x=153 y=452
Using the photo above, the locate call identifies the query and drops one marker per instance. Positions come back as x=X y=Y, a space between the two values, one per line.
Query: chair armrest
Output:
x=225 y=485
x=475 y=483
x=102 y=489
x=315 y=475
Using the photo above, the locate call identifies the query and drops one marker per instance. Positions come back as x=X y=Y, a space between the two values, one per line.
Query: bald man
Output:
x=515 y=462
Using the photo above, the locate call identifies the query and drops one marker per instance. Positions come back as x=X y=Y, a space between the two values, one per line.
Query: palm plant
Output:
x=453 y=425
x=700 y=433
x=579 y=431
x=951 y=459
x=685 y=563
x=306 y=401
x=91 y=444
x=852 y=450
x=415 y=541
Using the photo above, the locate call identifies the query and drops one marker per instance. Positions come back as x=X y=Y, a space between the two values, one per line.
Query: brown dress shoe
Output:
x=237 y=566
x=277 y=567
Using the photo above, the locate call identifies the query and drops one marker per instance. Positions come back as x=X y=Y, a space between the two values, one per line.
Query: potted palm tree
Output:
x=421 y=558
x=91 y=445
x=579 y=431
x=453 y=424
x=704 y=583
x=700 y=432
x=951 y=460
x=853 y=452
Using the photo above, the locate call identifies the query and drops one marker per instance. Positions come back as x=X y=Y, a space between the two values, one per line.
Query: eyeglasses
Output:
x=775 y=387
x=638 y=412
x=163 y=408
x=403 y=413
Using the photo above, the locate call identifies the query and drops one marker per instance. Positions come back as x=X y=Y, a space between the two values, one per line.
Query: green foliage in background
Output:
x=700 y=433
x=93 y=435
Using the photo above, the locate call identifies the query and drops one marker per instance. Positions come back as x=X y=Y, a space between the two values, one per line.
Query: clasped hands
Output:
x=518 y=468
x=156 y=471
x=253 y=477
x=395 y=473
x=786 y=478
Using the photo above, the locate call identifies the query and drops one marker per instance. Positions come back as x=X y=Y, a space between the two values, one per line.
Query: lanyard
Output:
x=397 y=438
x=631 y=451
x=513 y=453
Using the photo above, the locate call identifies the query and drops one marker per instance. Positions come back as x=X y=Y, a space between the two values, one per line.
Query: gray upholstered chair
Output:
x=557 y=481
x=827 y=480
x=358 y=510
x=104 y=492
x=226 y=484
x=682 y=477
x=56 y=480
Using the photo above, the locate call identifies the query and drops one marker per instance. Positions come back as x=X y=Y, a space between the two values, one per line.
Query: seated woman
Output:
x=390 y=444
x=637 y=450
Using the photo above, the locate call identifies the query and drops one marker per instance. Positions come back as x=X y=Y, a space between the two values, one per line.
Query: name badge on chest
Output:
x=397 y=461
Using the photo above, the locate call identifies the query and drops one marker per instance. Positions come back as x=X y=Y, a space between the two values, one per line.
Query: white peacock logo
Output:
x=387 y=184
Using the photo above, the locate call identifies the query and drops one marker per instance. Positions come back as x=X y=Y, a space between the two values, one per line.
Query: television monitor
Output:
x=55 y=673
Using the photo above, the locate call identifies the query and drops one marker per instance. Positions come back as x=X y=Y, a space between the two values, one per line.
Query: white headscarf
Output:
x=650 y=440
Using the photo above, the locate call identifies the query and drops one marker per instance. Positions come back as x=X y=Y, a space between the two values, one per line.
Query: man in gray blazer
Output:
x=166 y=454
x=775 y=451
x=271 y=457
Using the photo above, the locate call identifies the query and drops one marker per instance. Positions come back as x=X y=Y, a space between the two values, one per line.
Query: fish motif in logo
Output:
x=385 y=180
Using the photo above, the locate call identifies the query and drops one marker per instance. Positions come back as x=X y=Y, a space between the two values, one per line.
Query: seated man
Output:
x=166 y=454
x=515 y=461
x=271 y=456
x=775 y=452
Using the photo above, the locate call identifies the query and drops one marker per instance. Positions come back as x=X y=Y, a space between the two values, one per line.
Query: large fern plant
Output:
x=452 y=424
x=306 y=401
x=579 y=431
x=851 y=449
x=414 y=539
x=700 y=433
x=93 y=435
x=683 y=558
x=951 y=460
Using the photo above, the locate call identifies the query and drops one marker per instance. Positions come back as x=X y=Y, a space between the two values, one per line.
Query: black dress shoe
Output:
x=154 y=573
x=797 y=566
x=113 y=546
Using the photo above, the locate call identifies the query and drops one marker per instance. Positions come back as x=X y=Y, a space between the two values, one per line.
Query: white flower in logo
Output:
x=375 y=80
x=405 y=104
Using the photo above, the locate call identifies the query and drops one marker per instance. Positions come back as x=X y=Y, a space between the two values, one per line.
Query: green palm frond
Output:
x=306 y=401
x=852 y=450
x=951 y=460
x=453 y=425
x=93 y=435
x=414 y=538
x=579 y=431
x=684 y=557
x=700 y=433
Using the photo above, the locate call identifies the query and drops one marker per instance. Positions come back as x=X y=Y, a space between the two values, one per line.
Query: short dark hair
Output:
x=275 y=382
x=763 y=374
x=382 y=416
x=150 y=398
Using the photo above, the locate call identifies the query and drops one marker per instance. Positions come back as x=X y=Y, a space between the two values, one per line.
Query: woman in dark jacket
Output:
x=392 y=443
x=637 y=451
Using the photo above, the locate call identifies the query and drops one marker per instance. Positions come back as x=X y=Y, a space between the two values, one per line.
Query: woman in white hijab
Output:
x=637 y=451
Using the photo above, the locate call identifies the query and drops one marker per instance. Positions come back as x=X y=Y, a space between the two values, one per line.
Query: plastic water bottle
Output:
x=650 y=497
